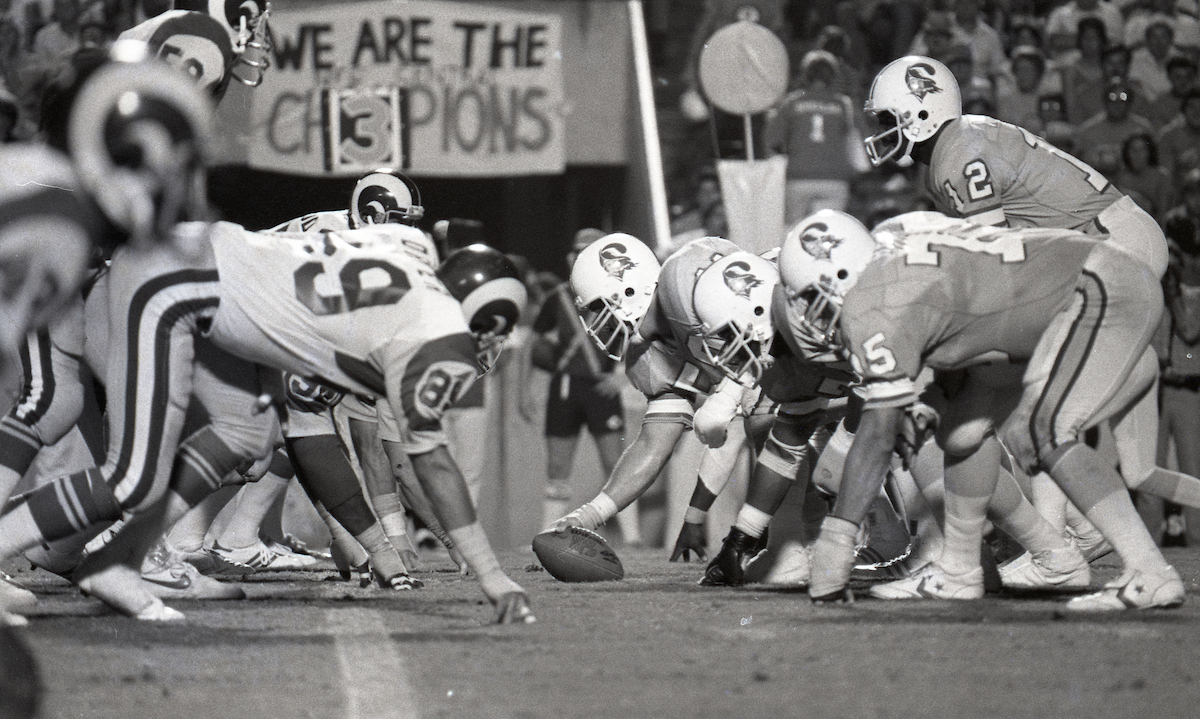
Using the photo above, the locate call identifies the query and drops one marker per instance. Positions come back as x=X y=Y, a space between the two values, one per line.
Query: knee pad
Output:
x=783 y=459
x=964 y=439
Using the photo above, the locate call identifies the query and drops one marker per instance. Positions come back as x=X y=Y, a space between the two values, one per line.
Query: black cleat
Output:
x=727 y=568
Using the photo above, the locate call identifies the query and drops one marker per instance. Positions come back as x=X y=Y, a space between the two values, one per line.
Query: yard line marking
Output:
x=374 y=673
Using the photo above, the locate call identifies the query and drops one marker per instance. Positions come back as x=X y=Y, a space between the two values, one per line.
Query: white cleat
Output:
x=159 y=613
x=1069 y=570
x=933 y=582
x=1134 y=589
x=787 y=567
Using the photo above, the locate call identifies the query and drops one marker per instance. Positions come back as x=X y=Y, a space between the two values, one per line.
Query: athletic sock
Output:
x=385 y=560
x=965 y=518
x=752 y=521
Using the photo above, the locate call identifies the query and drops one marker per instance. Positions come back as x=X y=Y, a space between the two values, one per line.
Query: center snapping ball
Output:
x=576 y=554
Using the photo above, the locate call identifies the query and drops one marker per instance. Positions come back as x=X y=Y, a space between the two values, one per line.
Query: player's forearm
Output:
x=867 y=463
x=445 y=487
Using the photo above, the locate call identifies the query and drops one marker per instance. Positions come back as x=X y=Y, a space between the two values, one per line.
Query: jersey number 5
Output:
x=360 y=283
x=880 y=359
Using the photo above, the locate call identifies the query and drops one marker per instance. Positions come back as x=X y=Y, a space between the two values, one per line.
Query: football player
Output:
x=630 y=316
x=995 y=173
x=949 y=294
x=310 y=305
x=53 y=397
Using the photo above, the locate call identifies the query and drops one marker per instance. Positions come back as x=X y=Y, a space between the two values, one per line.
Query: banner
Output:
x=436 y=88
x=753 y=192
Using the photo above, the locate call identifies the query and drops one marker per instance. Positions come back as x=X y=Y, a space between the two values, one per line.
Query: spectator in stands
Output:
x=986 y=46
x=1102 y=138
x=1083 y=75
x=1179 y=398
x=1179 y=141
x=1142 y=178
x=1055 y=127
x=1063 y=24
x=817 y=129
x=1148 y=65
x=1023 y=32
x=850 y=62
x=938 y=35
x=1017 y=101
x=1187 y=28
x=1182 y=73
x=977 y=92
x=60 y=37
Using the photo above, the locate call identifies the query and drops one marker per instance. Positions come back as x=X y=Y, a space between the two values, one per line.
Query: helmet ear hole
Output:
x=923 y=115
x=630 y=292
x=842 y=274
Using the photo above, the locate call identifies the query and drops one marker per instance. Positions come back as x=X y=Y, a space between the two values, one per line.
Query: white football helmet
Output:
x=733 y=303
x=911 y=98
x=385 y=196
x=488 y=286
x=195 y=42
x=246 y=23
x=613 y=281
x=822 y=258
x=138 y=135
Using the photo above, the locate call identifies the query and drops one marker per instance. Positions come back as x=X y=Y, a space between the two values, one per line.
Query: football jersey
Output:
x=792 y=378
x=411 y=240
x=348 y=310
x=657 y=363
x=948 y=301
x=990 y=171
x=811 y=127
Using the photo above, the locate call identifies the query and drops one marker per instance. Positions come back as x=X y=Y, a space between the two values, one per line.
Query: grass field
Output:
x=652 y=645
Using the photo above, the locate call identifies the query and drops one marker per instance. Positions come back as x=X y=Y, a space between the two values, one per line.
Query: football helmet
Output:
x=385 y=195
x=911 y=98
x=137 y=134
x=489 y=287
x=613 y=280
x=822 y=257
x=733 y=303
x=245 y=21
x=194 y=42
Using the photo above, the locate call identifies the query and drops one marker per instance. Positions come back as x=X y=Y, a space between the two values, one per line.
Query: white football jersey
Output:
x=411 y=240
x=349 y=310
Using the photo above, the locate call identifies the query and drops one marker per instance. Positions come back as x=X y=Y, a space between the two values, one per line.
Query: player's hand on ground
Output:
x=463 y=569
x=513 y=608
x=692 y=538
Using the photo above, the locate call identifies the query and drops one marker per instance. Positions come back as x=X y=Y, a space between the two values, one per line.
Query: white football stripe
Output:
x=374 y=673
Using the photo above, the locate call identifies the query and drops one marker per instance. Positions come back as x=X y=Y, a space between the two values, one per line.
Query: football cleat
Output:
x=1045 y=571
x=786 y=567
x=727 y=568
x=400 y=582
x=123 y=589
x=209 y=563
x=170 y=576
x=1134 y=589
x=933 y=582
x=263 y=558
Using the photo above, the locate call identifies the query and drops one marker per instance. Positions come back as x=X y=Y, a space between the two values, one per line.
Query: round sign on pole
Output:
x=744 y=68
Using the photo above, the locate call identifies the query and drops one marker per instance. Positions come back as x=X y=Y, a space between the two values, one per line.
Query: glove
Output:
x=513 y=608
x=711 y=422
x=691 y=539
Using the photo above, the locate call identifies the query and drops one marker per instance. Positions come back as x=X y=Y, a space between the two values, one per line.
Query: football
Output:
x=577 y=555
